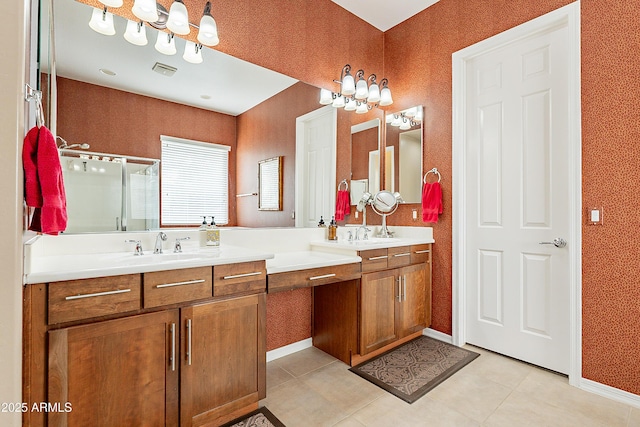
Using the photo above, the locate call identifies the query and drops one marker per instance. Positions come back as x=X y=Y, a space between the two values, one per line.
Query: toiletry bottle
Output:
x=213 y=234
x=203 y=231
x=333 y=229
x=321 y=223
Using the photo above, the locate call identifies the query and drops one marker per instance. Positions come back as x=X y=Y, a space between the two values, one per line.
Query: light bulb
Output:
x=325 y=97
x=102 y=22
x=192 y=53
x=145 y=10
x=338 y=101
x=178 y=21
x=350 y=105
x=348 y=85
x=362 y=91
x=136 y=33
x=165 y=43
x=208 y=33
x=111 y=3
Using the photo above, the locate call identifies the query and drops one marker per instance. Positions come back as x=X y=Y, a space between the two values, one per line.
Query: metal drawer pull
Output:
x=173 y=346
x=324 y=276
x=236 y=276
x=403 y=254
x=189 y=342
x=373 y=258
x=404 y=280
x=424 y=251
x=170 y=285
x=97 y=294
x=399 y=297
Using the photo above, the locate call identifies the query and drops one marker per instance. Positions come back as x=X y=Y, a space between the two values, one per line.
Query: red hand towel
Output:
x=342 y=205
x=431 y=201
x=44 y=189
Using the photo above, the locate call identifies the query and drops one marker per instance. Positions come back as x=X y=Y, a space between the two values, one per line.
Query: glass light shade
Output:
x=145 y=10
x=385 y=97
x=208 y=33
x=418 y=116
x=362 y=108
x=338 y=102
x=406 y=124
x=102 y=22
x=136 y=33
x=111 y=3
x=362 y=90
x=389 y=118
x=348 y=85
x=325 y=97
x=397 y=121
x=374 y=93
x=165 y=43
x=350 y=105
x=411 y=112
x=178 y=21
x=192 y=53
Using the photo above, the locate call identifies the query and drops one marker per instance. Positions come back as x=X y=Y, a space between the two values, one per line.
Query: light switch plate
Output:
x=594 y=215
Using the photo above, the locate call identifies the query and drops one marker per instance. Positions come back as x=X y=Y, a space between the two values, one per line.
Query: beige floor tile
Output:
x=350 y=422
x=522 y=410
x=304 y=361
x=634 y=418
x=555 y=390
x=346 y=390
x=276 y=376
x=502 y=370
x=470 y=394
x=296 y=404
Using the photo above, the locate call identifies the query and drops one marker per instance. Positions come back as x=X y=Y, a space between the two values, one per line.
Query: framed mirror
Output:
x=365 y=159
x=270 y=184
x=404 y=143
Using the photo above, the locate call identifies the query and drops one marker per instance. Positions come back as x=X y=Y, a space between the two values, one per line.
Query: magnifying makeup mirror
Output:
x=385 y=203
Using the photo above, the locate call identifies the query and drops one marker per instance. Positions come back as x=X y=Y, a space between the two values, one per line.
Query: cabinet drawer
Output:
x=399 y=256
x=420 y=253
x=374 y=259
x=231 y=279
x=175 y=286
x=312 y=277
x=82 y=299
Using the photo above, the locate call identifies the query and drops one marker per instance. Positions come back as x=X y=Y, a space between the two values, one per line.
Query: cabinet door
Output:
x=115 y=373
x=412 y=310
x=379 y=293
x=223 y=367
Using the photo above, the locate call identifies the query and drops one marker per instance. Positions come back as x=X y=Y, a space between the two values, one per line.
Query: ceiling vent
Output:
x=164 y=69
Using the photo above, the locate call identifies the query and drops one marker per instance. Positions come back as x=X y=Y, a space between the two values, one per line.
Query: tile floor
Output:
x=311 y=388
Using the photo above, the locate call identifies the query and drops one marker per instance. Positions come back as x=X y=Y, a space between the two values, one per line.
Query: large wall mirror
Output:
x=221 y=83
x=365 y=159
x=403 y=161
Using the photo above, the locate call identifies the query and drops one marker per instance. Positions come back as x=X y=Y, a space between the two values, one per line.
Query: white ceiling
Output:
x=231 y=86
x=385 y=14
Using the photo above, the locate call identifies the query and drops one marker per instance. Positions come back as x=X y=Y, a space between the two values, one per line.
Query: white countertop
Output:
x=71 y=267
x=371 y=243
x=302 y=260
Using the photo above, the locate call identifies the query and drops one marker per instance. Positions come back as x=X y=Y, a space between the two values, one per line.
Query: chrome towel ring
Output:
x=344 y=181
x=433 y=171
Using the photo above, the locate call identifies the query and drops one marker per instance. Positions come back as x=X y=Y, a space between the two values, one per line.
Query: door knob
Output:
x=558 y=242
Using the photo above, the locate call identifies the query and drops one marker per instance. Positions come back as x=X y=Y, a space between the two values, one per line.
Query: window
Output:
x=194 y=181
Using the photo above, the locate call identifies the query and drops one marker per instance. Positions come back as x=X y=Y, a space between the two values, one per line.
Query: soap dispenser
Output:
x=203 y=231
x=213 y=234
x=333 y=229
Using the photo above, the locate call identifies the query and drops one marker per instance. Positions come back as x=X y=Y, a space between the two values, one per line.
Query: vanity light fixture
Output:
x=208 y=32
x=102 y=22
x=359 y=94
x=136 y=33
x=178 y=22
x=406 y=119
x=146 y=10
x=192 y=53
x=165 y=43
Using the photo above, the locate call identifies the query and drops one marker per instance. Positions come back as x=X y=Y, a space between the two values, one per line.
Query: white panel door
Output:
x=517 y=195
x=316 y=167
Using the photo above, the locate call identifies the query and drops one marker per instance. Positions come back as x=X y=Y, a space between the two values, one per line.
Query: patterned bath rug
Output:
x=414 y=368
x=261 y=417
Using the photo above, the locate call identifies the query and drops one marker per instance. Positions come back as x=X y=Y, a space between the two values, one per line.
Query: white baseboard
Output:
x=289 y=349
x=438 y=335
x=610 y=392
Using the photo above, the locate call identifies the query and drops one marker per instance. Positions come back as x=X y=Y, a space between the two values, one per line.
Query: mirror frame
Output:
x=356 y=195
x=270 y=181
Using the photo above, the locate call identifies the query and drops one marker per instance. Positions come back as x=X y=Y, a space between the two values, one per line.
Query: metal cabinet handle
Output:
x=373 y=258
x=402 y=254
x=173 y=347
x=170 y=285
x=324 y=276
x=558 y=242
x=189 y=342
x=399 y=297
x=236 y=276
x=97 y=294
x=424 y=251
x=404 y=280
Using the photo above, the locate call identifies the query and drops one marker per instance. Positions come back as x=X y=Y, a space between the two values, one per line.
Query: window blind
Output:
x=195 y=181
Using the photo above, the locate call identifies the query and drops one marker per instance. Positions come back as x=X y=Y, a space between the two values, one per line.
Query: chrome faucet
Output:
x=364 y=227
x=159 y=239
x=138 y=249
x=177 y=247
